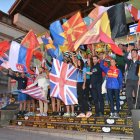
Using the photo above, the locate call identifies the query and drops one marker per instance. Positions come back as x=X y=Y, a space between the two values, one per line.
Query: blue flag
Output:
x=55 y=30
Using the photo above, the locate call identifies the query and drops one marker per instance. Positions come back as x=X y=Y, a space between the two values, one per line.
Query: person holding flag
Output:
x=43 y=81
x=22 y=84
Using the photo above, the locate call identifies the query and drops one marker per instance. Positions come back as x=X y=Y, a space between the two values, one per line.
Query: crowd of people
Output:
x=93 y=70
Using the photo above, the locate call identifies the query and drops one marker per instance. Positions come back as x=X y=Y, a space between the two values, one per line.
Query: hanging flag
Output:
x=30 y=42
x=18 y=57
x=4 y=47
x=138 y=28
x=73 y=29
x=133 y=11
x=4 y=61
x=63 y=82
x=36 y=93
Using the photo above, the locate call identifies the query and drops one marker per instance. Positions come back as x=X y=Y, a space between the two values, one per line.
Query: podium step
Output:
x=99 y=125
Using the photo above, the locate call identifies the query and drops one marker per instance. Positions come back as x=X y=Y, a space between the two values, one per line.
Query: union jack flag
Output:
x=63 y=82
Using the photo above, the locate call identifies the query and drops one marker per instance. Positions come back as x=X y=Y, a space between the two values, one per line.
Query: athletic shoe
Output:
x=81 y=115
x=116 y=115
x=112 y=115
x=44 y=114
x=40 y=114
x=66 y=114
x=72 y=114
x=88 y=114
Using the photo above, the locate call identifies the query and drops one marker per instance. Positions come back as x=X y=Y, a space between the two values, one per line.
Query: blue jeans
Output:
x=111 y=93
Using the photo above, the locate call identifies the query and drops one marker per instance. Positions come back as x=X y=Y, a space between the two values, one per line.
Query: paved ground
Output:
x=8 y=134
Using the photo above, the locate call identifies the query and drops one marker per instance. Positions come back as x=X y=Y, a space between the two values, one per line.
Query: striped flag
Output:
x=134 y=11
x=36 y=93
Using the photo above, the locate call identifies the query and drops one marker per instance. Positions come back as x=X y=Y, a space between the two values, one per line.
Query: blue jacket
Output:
x=114 y=76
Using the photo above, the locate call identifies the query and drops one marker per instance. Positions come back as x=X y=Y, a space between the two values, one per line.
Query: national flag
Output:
x=112 y=23
x=18 y=57
x=91 y=35
x=30 y=42
x=110 y=42
x=4 y=61
x=38 y=54
x=73 y=29
x=4 y=47
x=138 y=28
x=63 y=82
x=134 y=11
x=36 y=93
x=56 y=30
x=49 y=46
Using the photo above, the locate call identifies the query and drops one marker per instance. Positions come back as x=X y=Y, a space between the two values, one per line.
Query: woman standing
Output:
x=81 y=80
x=113 y=85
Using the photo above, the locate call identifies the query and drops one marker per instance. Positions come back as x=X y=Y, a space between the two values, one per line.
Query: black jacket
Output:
x=96 y=76
x=22 y=82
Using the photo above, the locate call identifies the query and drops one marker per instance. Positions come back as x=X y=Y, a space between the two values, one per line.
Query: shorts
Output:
x=29 y=98
x=22 y=96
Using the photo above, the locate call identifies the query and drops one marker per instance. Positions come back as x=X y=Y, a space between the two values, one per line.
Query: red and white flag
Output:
x=36 y=93
x=134 y=11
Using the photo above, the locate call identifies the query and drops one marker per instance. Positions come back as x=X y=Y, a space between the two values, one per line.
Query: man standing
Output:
x=96 y=83
x=22 y=83
x=132 y=78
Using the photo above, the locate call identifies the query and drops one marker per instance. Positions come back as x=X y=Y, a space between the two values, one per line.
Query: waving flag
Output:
x=134 y=11
x=30 y=42
x=4 y=47
x=63 y=82
x=110 y=24
x=98 y=11
x=56 y=30
x=49 y=46
x=138 y=28
x=4 y=61
x=73 y=29
x=18 y=57
x=36 y=93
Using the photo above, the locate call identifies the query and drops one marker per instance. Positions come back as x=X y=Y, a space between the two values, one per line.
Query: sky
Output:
x=5 y=5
